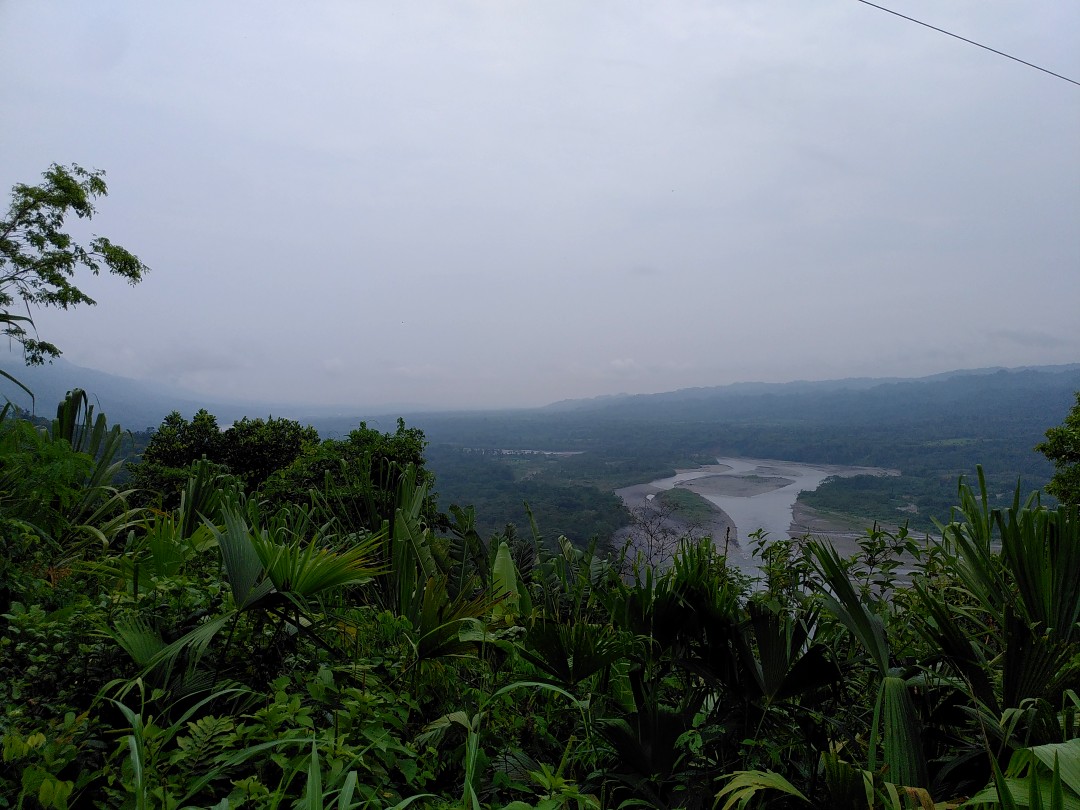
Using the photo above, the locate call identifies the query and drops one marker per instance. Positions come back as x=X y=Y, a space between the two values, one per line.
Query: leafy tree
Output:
x=360 y=472
x=38 y=259
x=178 y=442
x=171 y=451
x=1062 y=446
x=252 y=450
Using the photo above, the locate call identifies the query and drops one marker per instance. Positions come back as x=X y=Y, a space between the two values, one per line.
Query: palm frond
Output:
x=1044 y=777
x=742 y=787
x=308 y=570
x=841 y=600
x=243 y=565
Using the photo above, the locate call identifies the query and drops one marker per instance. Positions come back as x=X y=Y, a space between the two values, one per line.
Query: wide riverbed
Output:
x=753 y=493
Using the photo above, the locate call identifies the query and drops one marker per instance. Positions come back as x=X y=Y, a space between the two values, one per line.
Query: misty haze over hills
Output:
x=794 y=387
x=137 y=404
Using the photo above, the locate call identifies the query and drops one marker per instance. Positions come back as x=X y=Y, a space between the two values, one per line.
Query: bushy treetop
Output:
x=1062 y=446
x=38 y=259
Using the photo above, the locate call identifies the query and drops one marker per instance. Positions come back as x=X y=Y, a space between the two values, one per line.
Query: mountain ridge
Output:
x=801 y=386
x=139 y=404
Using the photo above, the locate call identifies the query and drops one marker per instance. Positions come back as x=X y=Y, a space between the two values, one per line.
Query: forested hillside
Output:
x=932 y=430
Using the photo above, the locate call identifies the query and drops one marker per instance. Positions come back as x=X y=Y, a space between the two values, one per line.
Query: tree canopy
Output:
x=364 y=468
x=39 y=259
x=251 y=449
x=1062 y=446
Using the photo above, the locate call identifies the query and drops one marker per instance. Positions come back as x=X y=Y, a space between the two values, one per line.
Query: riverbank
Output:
x=656 y=531
x=843 y=531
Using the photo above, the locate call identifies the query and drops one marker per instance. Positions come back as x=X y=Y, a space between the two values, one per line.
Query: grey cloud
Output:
x=1030 y=338
x=500 y=204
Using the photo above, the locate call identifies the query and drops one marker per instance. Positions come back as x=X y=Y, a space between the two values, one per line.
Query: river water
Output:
x=735 y=485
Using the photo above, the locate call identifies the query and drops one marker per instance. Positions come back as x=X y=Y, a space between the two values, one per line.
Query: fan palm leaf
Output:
x=1007 y=622
x=243 y=565
x=307 y=570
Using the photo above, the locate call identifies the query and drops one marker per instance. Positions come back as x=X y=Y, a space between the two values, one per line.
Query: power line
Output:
x=970 y=41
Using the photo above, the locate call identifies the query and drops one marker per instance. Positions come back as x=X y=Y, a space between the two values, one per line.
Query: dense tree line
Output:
x=282 y=462
x=510 y=489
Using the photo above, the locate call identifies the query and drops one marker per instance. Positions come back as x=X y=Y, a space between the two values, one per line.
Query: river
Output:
x=754 y=493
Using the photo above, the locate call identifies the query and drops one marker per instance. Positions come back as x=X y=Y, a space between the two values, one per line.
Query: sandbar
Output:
x=738 y=486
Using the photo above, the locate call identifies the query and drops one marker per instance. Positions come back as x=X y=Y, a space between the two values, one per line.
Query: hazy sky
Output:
x=519 y=201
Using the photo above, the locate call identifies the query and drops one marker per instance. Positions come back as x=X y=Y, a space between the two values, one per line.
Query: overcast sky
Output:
x=516 y=202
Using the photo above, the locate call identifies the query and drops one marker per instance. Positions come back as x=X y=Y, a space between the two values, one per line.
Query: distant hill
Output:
x=140 y=404
x=133 y=404
x=855 y=402
x=859 y=415
x=1032 y=395
x=644 y=402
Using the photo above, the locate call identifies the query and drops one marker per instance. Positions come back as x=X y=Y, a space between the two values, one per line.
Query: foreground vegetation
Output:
x=319 y=637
